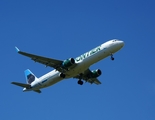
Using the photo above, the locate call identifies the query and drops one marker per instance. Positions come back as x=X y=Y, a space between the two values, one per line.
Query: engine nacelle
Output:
x=62 y=75
x=68 y=63
x=96 y=73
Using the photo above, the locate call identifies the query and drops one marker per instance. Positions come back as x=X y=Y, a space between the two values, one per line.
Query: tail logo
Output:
x=30 y=78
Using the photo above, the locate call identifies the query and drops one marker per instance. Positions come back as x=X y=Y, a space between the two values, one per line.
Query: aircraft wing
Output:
x=88 y=79
x=43 y=60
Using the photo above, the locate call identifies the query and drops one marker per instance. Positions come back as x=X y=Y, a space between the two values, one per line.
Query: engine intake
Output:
x=96 y=73
x=68 y=63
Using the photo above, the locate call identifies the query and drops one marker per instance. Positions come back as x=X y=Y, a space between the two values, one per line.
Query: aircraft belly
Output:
x=47 y=80
x=52 y=81
x=77 y=70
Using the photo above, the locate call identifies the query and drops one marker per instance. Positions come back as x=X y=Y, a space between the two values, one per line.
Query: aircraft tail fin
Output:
x=30 y=77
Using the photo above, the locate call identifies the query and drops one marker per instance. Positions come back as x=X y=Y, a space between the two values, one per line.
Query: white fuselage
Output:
x=83 y=62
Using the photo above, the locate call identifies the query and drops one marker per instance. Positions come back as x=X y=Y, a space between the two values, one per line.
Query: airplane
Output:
x=70 y=68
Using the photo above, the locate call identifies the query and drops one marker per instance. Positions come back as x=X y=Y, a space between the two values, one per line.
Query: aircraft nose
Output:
x=121 y=43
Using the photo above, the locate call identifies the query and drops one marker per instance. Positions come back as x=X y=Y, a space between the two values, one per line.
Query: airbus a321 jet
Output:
x=69 y=68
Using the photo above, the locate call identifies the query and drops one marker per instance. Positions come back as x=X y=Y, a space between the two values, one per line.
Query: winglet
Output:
x=17 y=49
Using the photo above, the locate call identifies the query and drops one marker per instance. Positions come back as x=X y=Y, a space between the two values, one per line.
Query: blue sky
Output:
x=62 y=29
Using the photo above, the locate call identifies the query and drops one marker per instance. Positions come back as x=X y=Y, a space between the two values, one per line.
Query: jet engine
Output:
x=68 y=63
x=95 y=73
x=62 y=75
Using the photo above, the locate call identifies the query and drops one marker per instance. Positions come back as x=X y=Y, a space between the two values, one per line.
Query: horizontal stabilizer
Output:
x=21 y=84
x=38 y=91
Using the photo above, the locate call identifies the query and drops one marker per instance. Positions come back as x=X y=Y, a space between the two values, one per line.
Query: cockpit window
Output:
x=114 y=40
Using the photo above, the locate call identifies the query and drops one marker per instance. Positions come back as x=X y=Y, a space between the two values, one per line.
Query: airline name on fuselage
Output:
x=87 y=54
